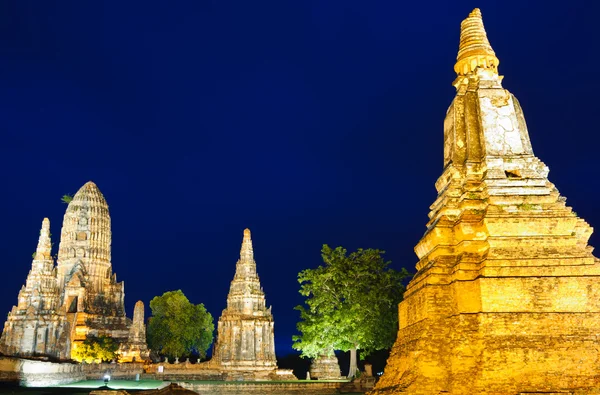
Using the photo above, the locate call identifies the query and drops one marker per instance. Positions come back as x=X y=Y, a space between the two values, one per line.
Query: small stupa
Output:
x=506 y=299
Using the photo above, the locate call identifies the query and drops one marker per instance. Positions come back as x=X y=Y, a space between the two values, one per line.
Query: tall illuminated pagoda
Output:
x=506 y=299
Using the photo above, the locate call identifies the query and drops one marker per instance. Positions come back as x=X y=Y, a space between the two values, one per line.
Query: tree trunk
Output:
x=353 y=367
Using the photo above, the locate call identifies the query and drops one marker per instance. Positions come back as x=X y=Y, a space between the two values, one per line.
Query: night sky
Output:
x=307 y=122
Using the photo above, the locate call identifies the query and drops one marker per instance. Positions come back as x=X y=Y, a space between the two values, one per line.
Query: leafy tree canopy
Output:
x=95 y=350
x=178 y=327
x=351 y=304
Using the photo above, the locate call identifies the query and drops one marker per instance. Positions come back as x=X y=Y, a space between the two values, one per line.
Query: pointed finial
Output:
x=44 y=247
x=247 y=253
x=474 y=50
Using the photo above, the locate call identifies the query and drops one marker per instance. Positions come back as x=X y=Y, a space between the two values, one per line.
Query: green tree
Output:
x=66 y=199
x=351 y=304
x=95 y=350
x=178 y=327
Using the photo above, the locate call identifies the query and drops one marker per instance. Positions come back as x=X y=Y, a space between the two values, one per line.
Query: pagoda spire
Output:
x=485 y=124
x=42 y=264
x=44 y=247
x=246 y=252
x=246 y=265
x=245 y=337
x=474 y=50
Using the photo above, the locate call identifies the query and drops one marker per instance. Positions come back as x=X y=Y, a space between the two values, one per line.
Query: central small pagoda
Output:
x=245 y=339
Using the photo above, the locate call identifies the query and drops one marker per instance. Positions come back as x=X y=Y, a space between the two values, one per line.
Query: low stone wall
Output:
x=183 y=371
x=363 y=384
x=117 y=371
x=271 y=388
x=31 y=373
x=209 y=371
x=257 y=388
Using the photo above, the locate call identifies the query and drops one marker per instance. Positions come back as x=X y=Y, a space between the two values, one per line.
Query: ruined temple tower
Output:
x=60 y=305
x=84 y=264
x=92 y=297
x=33 y=326
x=245 y=338
x=506 y=299
x=136 y=349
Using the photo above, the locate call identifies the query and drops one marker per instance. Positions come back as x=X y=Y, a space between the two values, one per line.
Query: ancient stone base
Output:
x=325 y=368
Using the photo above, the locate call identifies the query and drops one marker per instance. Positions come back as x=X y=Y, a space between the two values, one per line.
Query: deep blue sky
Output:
x=308 y=122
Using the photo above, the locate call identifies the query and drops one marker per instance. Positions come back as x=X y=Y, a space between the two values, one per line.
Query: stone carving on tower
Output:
x=506 y=299
x=84 y=264
x=91 y=296
x=245 y=337
x=61 y=305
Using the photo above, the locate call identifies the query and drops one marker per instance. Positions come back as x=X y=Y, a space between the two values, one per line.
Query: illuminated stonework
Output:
x=79 y=296
x=474 y=50
x=84 y=267
x=325 y=367
x=506 y=299
x=135 y=349
x=90 y=294
x=245 y=337
x=34 y=326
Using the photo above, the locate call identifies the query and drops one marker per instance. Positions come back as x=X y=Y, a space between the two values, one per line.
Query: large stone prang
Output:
x=506 y=299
